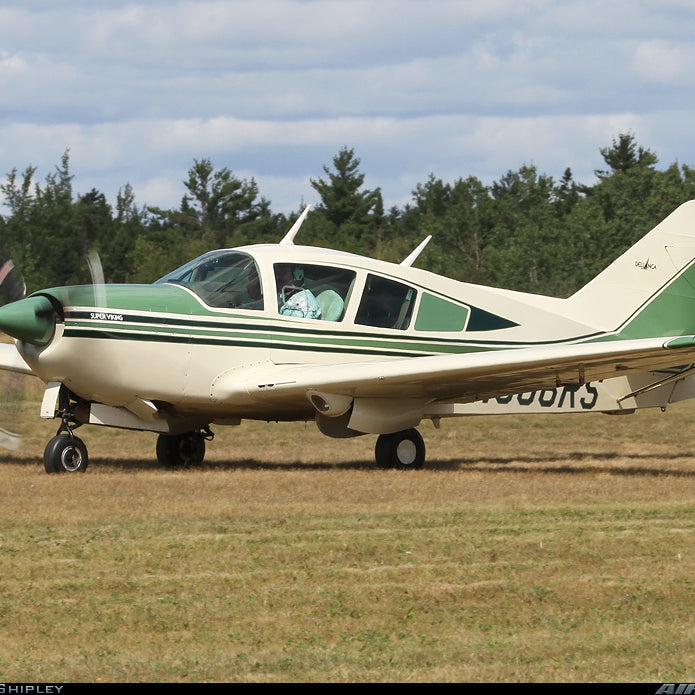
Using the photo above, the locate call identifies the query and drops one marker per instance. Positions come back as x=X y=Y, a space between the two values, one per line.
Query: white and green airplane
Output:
x=288 y=332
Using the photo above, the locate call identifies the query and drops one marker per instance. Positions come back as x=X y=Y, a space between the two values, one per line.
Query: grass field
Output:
x=534 y=548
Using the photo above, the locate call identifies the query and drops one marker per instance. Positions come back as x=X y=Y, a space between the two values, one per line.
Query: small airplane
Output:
x=283 y=332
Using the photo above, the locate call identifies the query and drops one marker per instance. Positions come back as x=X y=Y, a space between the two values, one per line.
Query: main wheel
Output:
x=65 y=453
x=403 y=450
x=180 y=450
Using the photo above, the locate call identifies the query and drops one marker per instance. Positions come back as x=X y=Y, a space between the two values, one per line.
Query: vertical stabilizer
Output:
x=650 y=289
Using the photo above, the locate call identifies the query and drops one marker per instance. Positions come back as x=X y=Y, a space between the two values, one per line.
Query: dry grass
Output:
x=538 y=548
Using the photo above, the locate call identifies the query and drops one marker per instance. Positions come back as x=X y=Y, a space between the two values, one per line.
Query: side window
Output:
x=436 y=314
x=386 y=304
x=312 y=291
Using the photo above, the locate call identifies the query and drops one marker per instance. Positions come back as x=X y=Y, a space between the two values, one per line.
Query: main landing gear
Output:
x=183 y=450
x=403 y=450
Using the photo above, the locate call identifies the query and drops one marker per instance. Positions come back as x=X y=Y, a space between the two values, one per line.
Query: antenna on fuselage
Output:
x=288 y=239
x=411 y=259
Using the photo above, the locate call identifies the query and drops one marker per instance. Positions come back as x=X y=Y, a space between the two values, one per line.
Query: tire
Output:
x=181 y=450
x=65 y=453
x=402 y=450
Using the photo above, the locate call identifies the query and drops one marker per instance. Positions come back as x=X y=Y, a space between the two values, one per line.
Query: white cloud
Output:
x=273 y=88
x=664 y=62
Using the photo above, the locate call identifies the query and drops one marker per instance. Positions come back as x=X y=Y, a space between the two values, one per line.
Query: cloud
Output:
x=273 y=88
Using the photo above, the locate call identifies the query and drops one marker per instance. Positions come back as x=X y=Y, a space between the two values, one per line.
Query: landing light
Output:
x=331 y=404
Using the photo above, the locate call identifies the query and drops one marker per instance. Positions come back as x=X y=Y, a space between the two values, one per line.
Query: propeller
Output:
x=12 y=289
x=31 y=319
x=12 y=286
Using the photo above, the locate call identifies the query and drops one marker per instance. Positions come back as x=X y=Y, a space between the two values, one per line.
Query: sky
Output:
x=273 y=89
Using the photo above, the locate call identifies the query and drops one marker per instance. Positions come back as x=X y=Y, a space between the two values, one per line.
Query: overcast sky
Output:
x=272 y=89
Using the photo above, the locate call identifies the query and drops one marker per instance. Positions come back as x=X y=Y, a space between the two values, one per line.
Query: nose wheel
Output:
x=65 y=453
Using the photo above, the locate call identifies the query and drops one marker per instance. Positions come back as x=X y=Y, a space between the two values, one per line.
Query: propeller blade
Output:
x=97 y=272
x=12 y=289
x=13 y=391
x=12 y=285
x=9 y=440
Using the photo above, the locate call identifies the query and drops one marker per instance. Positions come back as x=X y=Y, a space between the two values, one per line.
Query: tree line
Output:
x=525 y=231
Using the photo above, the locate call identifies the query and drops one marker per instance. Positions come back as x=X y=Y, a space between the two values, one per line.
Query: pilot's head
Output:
x=292 y=276
x=298 y=275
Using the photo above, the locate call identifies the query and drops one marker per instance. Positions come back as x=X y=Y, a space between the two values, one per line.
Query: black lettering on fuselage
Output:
x=571 y=397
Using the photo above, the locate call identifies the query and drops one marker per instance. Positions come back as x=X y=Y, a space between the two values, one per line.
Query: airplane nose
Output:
x=31 y=319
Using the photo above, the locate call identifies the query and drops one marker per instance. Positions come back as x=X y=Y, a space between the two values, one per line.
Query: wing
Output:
x=11 y=360
x=464 y=377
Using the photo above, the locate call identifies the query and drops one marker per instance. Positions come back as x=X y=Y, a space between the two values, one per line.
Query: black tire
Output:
x=180 y=450
x=65 y=453
x=403 y=450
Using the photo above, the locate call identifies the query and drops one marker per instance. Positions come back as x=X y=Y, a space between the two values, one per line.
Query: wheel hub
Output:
x=71 y=458
x=406 y=452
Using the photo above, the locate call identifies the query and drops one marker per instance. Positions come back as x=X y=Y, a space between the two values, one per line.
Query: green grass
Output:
x=537 y=548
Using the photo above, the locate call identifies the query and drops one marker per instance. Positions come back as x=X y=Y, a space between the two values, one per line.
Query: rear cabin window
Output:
x=386 y=304
x=221 y=279
x=437 y=314
x=312 y=291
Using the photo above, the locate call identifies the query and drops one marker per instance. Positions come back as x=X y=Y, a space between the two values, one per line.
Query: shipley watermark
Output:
x=29 y=689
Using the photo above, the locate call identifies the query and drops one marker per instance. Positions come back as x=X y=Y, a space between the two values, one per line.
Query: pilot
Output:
x=294 y=299
x=254 y=294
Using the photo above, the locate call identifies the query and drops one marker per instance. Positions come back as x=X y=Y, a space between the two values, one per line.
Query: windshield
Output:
x=221 y=279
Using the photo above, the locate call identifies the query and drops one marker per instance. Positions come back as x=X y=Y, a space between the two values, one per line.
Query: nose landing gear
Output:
x=66 y=453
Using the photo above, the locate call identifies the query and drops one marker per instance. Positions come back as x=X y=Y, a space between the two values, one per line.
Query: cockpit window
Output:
x=312 y=291
x=221 y=279
x=386 y=304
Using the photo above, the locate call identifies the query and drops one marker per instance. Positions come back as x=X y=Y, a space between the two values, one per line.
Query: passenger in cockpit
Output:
x=294 y=299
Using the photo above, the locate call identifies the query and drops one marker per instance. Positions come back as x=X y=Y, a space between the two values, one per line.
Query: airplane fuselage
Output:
x=165 y=343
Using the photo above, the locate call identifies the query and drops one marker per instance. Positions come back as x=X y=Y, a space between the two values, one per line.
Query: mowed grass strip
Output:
x=533 y=549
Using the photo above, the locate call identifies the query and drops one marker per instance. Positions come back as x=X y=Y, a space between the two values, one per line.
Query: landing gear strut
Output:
x=403 y=450
x=182 y=450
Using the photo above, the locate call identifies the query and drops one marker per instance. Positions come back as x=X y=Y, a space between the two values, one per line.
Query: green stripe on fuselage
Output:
x=172 y=314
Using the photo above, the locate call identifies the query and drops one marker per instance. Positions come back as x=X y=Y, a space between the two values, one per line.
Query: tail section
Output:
x=649 y=291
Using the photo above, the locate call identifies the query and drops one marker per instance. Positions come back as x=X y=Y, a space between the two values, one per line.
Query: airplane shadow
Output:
x=575 y=463
x=639 y=464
